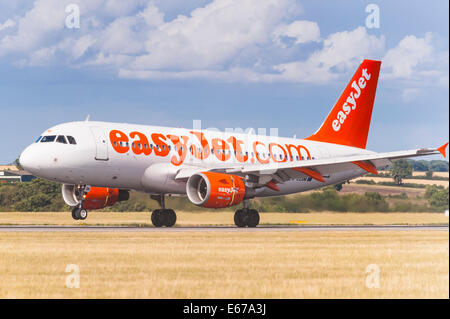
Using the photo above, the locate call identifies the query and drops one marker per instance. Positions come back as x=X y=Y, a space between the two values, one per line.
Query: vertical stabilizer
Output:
x=349 y=121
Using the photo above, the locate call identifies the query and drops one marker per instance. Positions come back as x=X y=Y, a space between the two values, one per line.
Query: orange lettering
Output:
x=204 y=152
x=255 y=144
x=162 y=148
x=140 y=146
x=221 y=149
x=240 y=156
x=181 y=148
x=277 y=160
x=298 y=148
x=117 y=138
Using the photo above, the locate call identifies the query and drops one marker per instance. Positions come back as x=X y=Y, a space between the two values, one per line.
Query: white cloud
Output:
x=301 y=31
x=226 y=40
x=211 y=35
x=7 y=24
x=415 y=65
x=342 y=51
x=400 y=62
x=44 y=24
x=411 y=94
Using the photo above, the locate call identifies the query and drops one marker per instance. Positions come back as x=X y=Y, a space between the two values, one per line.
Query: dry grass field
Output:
x=382 y=190
x=406 y=180
x=224 y=218
x=438 y=174
x=411 y=264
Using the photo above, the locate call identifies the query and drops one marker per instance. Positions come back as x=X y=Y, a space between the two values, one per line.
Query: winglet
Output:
x=442 y=149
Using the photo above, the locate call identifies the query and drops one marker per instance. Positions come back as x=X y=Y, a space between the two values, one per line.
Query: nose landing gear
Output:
x=79 y=213
x=163 y=217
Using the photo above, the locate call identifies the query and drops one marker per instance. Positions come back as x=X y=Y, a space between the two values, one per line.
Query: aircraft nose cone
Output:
x=28 y=160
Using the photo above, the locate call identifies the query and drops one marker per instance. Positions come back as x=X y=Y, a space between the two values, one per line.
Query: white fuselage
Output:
x=148 y=158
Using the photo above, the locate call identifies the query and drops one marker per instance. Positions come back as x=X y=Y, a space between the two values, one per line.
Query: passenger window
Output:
x=48 y=139
x=71 y=140
x=37 y=141
x=61 y=139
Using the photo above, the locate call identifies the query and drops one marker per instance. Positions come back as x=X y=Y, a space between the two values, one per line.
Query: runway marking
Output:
x=281 y=228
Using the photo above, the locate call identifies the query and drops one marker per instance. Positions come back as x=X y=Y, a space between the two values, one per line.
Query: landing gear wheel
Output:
x=253 y=218
x=82 y=213
x=239 y=218
x=157 y=218
x=170 y=218
x=75 y=214
x=164 y=217
x=79 y=213
x=246 y=217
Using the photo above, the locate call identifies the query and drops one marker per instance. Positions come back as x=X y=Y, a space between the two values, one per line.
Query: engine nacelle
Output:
x=215 y=190
x=96 y=198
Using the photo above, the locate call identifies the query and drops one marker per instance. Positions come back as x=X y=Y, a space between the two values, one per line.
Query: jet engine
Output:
x=95 y=198
x=215 y=190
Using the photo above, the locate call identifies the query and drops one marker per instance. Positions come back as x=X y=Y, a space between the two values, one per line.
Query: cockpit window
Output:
x=71 y=140
x=48 y=138
x=37 y=141
x=61 y=139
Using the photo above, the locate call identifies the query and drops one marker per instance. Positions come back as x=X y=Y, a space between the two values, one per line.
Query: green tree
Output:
x=429 y=173
x=437 y=197
x=17 y=164
x=400 y=170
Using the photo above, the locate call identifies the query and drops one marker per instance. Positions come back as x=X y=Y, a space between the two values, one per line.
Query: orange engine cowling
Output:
x=215 y=190
x=96 y=198
x=100 y=197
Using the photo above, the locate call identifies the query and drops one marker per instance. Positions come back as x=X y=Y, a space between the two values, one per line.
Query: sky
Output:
x=229 y=63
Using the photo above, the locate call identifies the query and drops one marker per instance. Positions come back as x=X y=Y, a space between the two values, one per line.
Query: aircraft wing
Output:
x=316 y=169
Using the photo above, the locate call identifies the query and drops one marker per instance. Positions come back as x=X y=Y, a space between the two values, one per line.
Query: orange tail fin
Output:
x=349 y=120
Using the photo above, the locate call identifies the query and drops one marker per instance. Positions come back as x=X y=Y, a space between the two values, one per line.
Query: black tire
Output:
x=157 y=218
x=82 y=213
x=239 y=218
x=75 y=213
x=170 y=217
x=253 y=218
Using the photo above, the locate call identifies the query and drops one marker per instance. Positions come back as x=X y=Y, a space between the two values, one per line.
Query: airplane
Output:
x=99 y=163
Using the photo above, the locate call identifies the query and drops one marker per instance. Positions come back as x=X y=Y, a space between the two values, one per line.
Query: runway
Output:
x=303 y=228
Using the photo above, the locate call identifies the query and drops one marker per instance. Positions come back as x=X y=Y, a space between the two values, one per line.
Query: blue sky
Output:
x=229 y=63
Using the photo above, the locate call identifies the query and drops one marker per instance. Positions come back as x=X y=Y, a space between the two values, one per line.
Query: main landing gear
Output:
x=163 y=217
x=246 y=217
x=79 y=213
